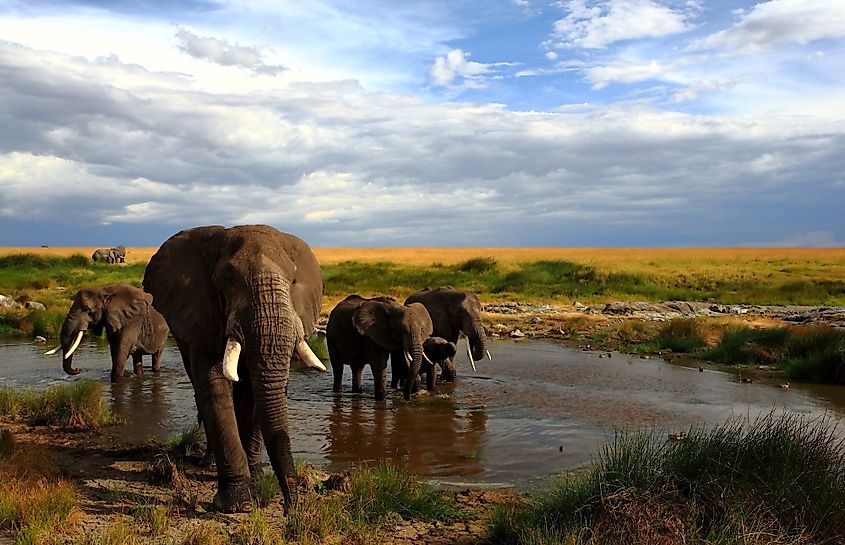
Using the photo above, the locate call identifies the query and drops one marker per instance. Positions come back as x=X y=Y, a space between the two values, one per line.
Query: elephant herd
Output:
x=240 y=302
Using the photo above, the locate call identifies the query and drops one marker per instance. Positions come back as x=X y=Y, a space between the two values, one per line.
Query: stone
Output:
x=39 y=340
x=517 y=333
x=35 y=305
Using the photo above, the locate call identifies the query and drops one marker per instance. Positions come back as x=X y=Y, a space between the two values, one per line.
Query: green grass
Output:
x=777 y=479
x=78 y=405
x=377 y=495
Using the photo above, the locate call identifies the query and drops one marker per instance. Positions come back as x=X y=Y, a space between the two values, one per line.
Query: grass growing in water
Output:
x=777 y=479
x=78 y=405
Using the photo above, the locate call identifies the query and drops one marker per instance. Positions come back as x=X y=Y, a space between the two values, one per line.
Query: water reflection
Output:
x=431 y=437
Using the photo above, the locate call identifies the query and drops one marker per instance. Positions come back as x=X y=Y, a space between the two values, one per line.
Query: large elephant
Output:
x=365 y=331
x=118 y=254
x=240 y=301
x=133 y=327
x=454 y=312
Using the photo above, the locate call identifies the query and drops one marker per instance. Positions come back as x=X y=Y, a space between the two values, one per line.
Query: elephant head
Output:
x=112 y=307
x=396 y=328
x=240 y=300
x=452 y=312
x=438 y=351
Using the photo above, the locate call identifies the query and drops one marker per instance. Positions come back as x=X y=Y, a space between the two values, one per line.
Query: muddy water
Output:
x=536 y=409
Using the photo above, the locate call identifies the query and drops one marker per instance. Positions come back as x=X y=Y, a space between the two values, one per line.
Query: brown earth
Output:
x=115 y=484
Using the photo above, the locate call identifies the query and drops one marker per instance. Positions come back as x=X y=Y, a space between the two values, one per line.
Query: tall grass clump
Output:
x=681 y=335
x=376 y=495
x=478 y=265
x=816 y=353
x=78 y=405
x=777 y=479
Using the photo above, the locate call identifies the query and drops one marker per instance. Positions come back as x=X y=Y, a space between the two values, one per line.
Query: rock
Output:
x=35 y=305
x=6 y=302
x=39 y=340
x=577 y=305
x=517 y=333
x=534 y=320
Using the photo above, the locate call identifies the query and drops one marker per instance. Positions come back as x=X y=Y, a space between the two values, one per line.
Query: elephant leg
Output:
x=431 y=378
x=337 y=367
x=248 y=429
x=119 y=355
x=380 y=381
x=357 y=379
x=213 y=393
x=398 y=369
x=137 y=363
x=157 y=360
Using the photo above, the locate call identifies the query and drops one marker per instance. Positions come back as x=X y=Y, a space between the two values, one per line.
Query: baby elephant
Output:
x=133 y=327
x=438 y=352
x=365 y=331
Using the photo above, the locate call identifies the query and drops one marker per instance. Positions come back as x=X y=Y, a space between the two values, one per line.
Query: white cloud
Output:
x=454 y=64
x=624 y=72
x=597 y=24
x=224 y=53
x=778 y=23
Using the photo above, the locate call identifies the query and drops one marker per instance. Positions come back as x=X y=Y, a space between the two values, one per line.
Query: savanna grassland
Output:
x=773 y=480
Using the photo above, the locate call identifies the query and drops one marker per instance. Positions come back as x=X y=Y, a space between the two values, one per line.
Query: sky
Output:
x=377 y=123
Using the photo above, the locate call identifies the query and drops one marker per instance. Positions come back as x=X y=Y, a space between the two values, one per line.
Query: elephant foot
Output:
x=234 y=499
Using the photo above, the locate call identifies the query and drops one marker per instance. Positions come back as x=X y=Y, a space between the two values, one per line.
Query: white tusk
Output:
x=53 y=351
x=408 y=357
x=230 y=360
x=489 y=357
x=74 y=346
x=428 y=360
x=469 y=354
x=308 y=356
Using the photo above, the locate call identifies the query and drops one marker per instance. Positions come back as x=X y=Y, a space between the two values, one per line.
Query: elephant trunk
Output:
x=474 y=330
x=270 y=335
x=415 y=363
x=71 y=336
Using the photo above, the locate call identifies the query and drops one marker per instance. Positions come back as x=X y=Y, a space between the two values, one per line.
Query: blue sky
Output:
x=430 y=123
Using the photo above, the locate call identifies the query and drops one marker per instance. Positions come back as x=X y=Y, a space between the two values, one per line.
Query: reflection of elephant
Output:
x=133 y=327
x=247 y=294
x=454 y=312
x=365 y=331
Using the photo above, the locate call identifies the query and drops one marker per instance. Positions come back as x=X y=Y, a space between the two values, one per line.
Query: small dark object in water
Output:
x=700 y=369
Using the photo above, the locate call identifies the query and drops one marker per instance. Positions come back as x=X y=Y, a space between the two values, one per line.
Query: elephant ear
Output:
x=372 y=320
x=179 y=278
x=423 y=318
x=123 y=305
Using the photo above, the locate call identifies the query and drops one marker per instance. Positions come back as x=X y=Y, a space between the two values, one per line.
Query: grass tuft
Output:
x=33 y=507
x=77 y=406
x=779 y=476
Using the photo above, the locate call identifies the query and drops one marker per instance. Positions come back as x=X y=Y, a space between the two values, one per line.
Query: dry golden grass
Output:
x=635 y=258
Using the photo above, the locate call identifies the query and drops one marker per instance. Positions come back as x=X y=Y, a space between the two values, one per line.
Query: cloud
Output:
x=597 y=24
x=342 y=165
x=456 y=64
x=224 y=53
x=779 y=23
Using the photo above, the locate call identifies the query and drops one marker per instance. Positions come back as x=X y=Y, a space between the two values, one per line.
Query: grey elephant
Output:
x=364 y=331
x=118 y=254
x=133 y=327
x=438 y=352
x=452 y=312
x=239 y=302
x=103 y=254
